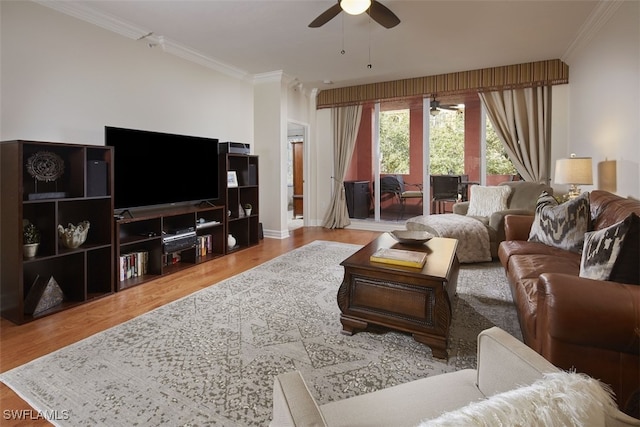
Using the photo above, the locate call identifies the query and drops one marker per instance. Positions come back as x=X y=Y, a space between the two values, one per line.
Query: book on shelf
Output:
x=399 y=257
x=133 y=264
x=204 y=245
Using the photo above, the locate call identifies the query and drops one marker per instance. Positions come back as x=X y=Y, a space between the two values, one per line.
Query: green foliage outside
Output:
x=394 y=142
x=498 y=162
x=446 y=145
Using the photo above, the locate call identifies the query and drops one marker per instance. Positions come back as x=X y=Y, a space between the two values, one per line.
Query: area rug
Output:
x=210 y=358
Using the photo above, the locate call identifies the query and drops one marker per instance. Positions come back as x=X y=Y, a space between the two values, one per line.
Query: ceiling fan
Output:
x=436 y=106
x=376 y=10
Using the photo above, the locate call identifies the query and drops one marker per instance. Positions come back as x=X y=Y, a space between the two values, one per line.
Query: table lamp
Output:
x=607 y=176
x=574 y=171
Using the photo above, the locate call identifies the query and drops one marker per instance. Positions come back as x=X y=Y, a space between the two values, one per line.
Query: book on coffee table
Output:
x=399 y=257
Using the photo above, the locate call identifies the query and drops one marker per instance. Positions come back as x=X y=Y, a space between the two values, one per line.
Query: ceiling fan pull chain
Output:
x=369 y=66
x=342 y=51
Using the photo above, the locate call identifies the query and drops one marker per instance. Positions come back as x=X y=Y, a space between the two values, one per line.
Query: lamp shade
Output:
x=608 y=176
x=355 y=7
x=575 y=170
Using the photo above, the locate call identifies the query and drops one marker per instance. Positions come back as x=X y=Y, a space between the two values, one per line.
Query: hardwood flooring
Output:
x=21 y=344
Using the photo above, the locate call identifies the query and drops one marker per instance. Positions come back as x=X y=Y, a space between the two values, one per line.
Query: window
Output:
x=394 y=142
x=446 y=143
x=498 y=162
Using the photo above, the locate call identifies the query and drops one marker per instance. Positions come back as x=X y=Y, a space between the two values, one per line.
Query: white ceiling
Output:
x=248 y=38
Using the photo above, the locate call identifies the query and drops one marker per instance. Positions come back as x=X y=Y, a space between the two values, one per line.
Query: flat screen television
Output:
x=154 y=168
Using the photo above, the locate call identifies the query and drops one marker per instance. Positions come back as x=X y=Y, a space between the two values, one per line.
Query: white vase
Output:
x=231 y=241
x=247 y=212
x=30 y=249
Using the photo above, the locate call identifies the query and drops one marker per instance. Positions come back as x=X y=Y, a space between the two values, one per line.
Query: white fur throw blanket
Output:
x=559 y=399
x=472 y=235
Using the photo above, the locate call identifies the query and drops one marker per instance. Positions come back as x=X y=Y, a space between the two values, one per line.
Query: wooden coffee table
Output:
x=406 y=299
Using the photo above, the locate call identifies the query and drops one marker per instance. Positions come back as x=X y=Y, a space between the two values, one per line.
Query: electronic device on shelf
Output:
x=180 y=231
x=206 y=224
x=173 y=242
x=234 y=147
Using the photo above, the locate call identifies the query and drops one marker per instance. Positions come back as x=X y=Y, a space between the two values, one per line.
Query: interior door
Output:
x=298 y=192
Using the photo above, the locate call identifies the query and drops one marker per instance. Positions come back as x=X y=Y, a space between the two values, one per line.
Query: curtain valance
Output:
x=532 y=74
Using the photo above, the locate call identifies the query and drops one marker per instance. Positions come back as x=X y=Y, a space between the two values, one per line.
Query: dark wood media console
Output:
x=82 y=190
x=140 y=240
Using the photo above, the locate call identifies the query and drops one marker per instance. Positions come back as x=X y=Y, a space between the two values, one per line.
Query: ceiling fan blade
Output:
x=382 y=15
x=449 y=107
x=326 y=16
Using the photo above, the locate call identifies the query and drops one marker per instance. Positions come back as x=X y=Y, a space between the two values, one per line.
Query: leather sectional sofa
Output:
x=592 y=326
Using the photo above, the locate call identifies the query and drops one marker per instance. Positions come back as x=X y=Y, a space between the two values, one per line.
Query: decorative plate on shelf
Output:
x=409 y=237
x=45 y=166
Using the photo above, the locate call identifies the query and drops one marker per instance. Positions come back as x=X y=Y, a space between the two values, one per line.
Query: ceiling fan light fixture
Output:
x=434 y=111
x=355 y=7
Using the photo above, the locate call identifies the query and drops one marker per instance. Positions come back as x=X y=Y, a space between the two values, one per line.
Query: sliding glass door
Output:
x=403 y=143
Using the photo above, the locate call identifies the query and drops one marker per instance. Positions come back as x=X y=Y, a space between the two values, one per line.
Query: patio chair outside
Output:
x=445 y=188
x=395 y=184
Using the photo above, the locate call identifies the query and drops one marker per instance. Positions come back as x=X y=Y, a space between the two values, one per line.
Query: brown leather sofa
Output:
x=591 y=326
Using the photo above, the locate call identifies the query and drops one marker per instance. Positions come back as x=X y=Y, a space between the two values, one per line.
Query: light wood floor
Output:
x=21 y=344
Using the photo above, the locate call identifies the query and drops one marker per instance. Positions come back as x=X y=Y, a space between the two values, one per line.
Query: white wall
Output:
x=559 y=129
x=63 y=80
x=271 y=137
x=604 y=100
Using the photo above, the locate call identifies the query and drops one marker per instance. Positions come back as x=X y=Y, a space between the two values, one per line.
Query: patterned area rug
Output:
x=210 y=358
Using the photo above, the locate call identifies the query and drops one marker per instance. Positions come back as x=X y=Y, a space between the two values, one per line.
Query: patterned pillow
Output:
x=612 y=253
x=483 y=201
x=562 y=226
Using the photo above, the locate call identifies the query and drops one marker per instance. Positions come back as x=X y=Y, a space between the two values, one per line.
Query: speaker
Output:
x=357 y=195
x=96 y=178
x=253 y=174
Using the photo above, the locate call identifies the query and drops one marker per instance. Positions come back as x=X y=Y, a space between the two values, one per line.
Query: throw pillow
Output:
x=603 y=250
x=558 y=399
x=561 y=225
x=483 y=201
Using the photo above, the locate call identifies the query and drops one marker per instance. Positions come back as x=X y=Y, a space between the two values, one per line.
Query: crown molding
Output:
x=118 y=26
x=271 y=77
x=594 y=23
x=193 y=55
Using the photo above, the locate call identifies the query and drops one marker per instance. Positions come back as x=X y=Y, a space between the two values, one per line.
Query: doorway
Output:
x=295 y=175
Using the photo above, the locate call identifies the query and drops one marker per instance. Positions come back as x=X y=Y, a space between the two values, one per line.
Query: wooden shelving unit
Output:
x=245 y=229
x=140 y=252
x=117 y=254
x=84 y=273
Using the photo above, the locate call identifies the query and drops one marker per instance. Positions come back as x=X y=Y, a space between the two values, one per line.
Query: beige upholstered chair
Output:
x=522 y=201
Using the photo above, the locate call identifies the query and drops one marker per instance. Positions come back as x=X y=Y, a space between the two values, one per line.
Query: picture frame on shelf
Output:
x=232 y=179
